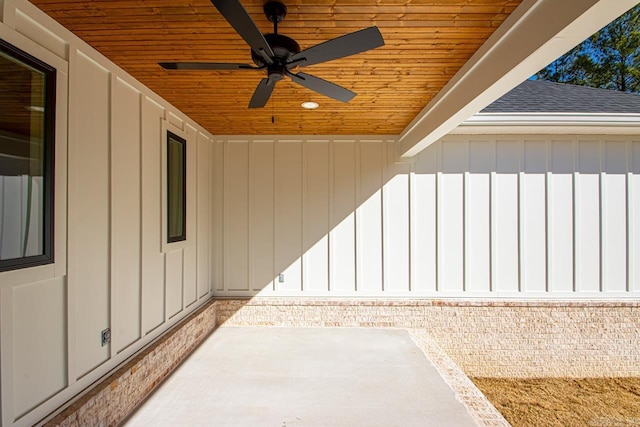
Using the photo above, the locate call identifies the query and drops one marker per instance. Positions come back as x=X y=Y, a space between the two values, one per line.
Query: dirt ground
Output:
x=598 y=402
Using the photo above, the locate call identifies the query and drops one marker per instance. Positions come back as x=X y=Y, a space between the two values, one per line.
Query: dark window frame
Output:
x=183 y=235
x=49 y=72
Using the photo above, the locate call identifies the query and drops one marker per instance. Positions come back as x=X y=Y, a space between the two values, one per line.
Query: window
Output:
x=27 y=114
x=176 y=188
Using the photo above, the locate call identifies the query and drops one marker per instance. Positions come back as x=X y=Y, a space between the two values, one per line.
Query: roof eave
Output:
x=535 y=34
x=544 y=123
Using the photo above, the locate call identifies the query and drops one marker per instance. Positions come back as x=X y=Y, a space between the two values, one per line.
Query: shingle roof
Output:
x=537 y=96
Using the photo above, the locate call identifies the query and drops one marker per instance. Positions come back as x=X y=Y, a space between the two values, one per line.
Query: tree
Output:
x=608 y=59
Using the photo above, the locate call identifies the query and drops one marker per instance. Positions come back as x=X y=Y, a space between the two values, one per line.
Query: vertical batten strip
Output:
x=223 y=244
x=577 y=222
x=163 y=175
x=521 y=219
x=383 y=258
x=225 y=204
x=212 y=217
x=439 y=283
x=629 y=214
x=273 y=181
x=465 y=223
x=303 y=211
x=112 y=294
x=492 y=212
x=249 y=214
x=548 y=221
x=182 y=256
x=217 y=214
x=330 y=216
x=301 y=207
x=215 y=207
x=603 y=248
x=356 y=223
x=329 y=209
x=220 y=271
x=386 y=161
x=141 y=101
x=222 y=259
x=386 y=238
x=165 y=314
x=412 y=226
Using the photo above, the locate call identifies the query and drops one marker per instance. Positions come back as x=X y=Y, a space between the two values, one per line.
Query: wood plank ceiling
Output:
x=426 y=43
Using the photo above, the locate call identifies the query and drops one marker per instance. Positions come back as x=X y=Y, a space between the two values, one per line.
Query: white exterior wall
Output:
x=471 y=216
x=309 y=209
x=111 y=269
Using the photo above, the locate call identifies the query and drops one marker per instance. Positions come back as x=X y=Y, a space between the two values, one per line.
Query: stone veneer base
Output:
x=477 y=338
x=114 y=398
x=486 y=338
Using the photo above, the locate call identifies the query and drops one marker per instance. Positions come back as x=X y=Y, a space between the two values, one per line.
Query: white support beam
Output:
x=536 y=33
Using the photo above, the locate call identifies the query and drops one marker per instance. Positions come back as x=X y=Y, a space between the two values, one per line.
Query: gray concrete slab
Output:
x=285 y=377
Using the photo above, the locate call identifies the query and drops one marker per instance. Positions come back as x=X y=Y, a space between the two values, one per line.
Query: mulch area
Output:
x=562 y=402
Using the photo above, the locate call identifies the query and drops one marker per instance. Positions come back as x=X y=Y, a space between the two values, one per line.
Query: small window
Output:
x=176 y=188
x=27 y=114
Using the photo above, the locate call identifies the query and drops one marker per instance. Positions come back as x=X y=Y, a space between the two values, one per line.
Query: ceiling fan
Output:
x=279 y=54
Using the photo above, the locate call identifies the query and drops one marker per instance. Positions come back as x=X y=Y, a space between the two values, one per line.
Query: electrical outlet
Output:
x=281 y=278
x=105 y=336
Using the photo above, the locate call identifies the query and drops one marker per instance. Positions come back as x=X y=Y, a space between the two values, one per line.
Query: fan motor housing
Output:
x=275 y=11
x=283 y=47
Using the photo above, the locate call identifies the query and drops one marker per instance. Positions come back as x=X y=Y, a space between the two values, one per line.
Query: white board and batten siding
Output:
x=480 y=216
x=288 y=215
x=111 y=269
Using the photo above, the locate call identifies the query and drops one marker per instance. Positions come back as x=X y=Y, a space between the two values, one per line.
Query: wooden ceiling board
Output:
x=426 y=43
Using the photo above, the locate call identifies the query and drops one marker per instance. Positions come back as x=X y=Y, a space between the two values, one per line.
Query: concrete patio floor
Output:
x=268 y=376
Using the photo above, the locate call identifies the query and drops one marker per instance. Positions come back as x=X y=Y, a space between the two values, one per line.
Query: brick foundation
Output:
x=485 y=338
x=476 y=338
x=114 y=398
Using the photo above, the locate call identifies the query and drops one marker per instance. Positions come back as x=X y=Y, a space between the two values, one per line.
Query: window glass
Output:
x=27 y=91
x=176 y=188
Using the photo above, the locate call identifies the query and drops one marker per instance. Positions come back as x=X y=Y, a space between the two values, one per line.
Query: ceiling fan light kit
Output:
x=279 y=54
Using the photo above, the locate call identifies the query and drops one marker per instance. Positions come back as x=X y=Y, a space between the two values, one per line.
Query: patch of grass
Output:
x=562 y=402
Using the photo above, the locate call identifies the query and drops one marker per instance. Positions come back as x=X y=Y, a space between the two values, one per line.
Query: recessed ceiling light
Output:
x=310 y=105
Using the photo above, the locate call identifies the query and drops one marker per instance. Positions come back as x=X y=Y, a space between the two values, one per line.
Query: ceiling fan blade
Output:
x=205 y=66
x=349 y=44
x=262 y=93
x=323 y=87
x=240 y=20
